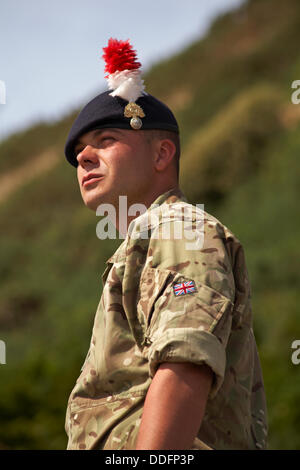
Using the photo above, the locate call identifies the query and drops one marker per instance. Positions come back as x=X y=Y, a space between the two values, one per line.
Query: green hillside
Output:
x=231 y=92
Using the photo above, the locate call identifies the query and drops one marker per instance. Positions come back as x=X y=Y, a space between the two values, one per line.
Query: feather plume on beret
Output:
x=125 y=105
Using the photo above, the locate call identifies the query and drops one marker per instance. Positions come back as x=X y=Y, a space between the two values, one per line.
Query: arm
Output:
x=174 y=406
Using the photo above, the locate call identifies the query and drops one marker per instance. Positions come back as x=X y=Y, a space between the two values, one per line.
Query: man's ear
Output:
x=164 y=154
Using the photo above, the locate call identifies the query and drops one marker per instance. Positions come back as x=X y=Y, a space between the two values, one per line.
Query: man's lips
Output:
x=91 y=178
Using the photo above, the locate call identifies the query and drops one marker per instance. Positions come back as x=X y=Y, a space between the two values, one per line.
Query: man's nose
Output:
x=87 y=155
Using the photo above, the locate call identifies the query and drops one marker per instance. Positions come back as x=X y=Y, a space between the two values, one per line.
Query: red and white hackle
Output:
x=124 y=77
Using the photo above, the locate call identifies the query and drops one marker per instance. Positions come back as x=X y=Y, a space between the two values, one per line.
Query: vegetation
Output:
x=240 y=136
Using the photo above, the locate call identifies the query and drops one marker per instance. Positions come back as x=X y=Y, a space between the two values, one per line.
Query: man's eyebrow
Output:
x=96 y=133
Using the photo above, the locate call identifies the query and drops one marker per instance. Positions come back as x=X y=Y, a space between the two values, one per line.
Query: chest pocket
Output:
x=153 y=282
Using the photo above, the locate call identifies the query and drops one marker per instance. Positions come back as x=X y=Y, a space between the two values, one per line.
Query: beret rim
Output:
x=158 y=116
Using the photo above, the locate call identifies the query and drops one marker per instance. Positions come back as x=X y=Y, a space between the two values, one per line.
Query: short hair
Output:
x=165 y=134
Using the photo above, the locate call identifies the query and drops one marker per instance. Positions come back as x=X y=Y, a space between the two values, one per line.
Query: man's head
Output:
x=114 y=162
x=137 y=163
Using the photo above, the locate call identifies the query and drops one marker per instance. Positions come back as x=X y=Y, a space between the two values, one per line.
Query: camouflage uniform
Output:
x=140 y=323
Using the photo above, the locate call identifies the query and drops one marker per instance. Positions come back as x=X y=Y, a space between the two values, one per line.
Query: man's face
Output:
x=113 y=162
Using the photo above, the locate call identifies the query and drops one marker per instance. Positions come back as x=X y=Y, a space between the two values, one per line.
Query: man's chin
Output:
x=94 y=201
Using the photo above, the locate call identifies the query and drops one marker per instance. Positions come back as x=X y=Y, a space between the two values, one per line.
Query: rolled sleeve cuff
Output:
x=189 y=345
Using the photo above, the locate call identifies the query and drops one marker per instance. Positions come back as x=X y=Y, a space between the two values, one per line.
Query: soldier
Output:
x=173 y=362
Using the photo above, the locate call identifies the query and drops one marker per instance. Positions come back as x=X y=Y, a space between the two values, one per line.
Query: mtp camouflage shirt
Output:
x=176 y=290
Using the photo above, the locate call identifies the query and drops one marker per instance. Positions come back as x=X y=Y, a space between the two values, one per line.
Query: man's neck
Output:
x=128 y=211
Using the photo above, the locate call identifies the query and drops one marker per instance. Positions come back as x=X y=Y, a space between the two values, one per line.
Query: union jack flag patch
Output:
x=187 y=287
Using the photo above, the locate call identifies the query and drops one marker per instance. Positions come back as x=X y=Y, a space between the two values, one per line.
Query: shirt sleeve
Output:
x=187 y=300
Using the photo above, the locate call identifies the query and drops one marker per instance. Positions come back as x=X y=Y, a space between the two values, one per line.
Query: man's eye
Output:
x=105 y=140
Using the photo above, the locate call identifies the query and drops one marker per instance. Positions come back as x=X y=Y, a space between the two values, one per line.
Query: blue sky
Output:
x=50 y=51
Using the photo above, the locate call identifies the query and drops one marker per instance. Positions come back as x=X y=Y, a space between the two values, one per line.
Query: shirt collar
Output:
x=169 y=197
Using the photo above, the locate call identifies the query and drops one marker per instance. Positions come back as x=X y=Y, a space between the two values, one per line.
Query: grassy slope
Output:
x=263 y=213
x=51 y=260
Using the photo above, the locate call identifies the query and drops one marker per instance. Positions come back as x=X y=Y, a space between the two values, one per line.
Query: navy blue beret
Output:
x=105 y=111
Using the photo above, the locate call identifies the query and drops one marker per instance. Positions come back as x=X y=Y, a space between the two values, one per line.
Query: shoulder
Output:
x=170 y=213
x=188 y=230
x=184 y=239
